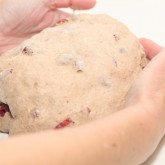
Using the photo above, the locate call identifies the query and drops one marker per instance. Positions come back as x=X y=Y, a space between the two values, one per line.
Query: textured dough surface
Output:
x=78 y=71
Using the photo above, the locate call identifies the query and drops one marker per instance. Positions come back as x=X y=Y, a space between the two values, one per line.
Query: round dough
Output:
x=78 y=71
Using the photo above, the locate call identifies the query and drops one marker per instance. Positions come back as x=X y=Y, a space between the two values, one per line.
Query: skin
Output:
x=20 y=19
x=127 y=137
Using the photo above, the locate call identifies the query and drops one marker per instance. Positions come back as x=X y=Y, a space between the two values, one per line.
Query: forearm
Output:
x=124 y=138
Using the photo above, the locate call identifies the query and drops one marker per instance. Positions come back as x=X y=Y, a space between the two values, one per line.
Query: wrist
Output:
x=155 y=112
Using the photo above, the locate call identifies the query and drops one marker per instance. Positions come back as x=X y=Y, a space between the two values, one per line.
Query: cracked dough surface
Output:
x=78 y=71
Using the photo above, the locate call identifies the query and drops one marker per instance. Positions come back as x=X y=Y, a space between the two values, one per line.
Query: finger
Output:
x=77 y=4
x=150 y=47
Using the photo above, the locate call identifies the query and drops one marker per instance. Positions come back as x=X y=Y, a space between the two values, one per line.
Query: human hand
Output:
x=149 y=87
x=20 y=19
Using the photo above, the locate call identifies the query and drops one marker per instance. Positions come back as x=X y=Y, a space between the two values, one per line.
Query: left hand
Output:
x=20 y=19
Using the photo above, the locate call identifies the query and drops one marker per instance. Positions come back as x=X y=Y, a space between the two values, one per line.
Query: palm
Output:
x=150 y=84
x=28 y=17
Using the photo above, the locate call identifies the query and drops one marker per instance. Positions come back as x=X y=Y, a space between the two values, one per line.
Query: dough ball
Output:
x=78 y=71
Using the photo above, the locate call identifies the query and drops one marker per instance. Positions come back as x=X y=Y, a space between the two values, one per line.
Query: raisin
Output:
x=64 y=123
x=116 y=36
x=3 y=109
x=27 y=50
x=62 y=21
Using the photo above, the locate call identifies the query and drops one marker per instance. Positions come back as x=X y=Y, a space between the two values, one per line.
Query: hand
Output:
x=20 y=19
x=149 y=87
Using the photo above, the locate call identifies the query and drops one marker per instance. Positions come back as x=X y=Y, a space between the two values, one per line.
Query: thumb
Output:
x=54 y=15
x=77 y=4
x=50 y=19
x=151 y=48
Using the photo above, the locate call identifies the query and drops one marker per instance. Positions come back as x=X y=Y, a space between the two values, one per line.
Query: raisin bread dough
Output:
x=78 y=71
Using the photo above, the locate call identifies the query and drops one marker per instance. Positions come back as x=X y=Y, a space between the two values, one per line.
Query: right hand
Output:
x=149 y=87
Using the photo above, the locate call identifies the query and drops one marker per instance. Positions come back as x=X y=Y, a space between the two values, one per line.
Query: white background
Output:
x=145 y=18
